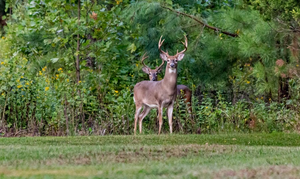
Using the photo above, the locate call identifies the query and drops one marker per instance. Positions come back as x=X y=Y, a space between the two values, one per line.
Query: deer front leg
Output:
x=136 y=116
x=160 y=121
x=170 y=116
x=143 y=115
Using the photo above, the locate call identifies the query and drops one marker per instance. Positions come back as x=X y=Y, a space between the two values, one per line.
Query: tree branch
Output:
x=202 y=23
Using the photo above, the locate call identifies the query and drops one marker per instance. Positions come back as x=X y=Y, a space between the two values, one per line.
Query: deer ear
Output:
x=180 y=57
x=146 y=70
x=164 y=57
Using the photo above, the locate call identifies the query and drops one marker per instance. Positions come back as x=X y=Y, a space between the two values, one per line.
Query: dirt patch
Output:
x=140 y=154
x=55 y=172
x=279 y=171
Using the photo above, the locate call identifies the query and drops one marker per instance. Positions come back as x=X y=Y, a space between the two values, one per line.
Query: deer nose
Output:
x=152 y=78
x=172 y=65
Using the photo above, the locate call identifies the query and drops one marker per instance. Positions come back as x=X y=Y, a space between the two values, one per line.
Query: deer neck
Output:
x=170 y=79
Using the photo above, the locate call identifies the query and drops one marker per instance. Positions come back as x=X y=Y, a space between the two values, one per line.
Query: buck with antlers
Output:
x=182 y=91
x=158 y=94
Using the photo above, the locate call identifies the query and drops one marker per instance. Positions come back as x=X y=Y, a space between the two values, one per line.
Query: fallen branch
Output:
x=202 y=23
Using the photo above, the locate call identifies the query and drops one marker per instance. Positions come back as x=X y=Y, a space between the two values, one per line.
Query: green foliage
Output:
x=217 y=115
x=285 y=10
x=65 y=73
x=44 y=34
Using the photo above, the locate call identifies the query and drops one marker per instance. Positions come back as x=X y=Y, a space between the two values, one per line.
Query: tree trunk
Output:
x=2 y=13
x=78 y=48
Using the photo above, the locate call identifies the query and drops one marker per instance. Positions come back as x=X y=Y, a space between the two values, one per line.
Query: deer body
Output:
x=158 y=94
x=152 y=98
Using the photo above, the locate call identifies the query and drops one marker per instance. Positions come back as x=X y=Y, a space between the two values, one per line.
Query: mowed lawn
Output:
x=152 y=156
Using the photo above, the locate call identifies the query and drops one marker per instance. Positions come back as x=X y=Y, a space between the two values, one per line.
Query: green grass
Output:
x=151 y=156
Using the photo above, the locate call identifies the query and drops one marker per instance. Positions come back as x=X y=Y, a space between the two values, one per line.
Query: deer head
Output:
x=172 y=60
x=152 y=73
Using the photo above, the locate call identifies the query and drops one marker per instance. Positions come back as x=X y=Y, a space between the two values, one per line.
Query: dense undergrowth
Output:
x=69 y=68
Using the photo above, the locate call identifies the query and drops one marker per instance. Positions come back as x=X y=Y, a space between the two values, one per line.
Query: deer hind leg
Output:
x=143 y=115
x=143 y=112
x=160 y=121
x=136 y=116
x=156 y=119
x=170 y=116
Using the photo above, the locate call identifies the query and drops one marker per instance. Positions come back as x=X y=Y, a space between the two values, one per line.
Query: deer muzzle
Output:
x=172 y=65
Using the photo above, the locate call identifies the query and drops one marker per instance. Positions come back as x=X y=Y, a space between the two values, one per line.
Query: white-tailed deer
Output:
x=158 y=94
x=182 y=91
x=152 y=73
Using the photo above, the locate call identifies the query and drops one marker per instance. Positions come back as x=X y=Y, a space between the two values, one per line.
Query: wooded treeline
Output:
x=69 y=67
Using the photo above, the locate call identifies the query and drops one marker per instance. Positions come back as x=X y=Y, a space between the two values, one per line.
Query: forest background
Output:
x=69 y=67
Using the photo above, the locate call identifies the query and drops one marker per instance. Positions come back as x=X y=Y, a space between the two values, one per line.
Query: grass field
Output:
x=151 y=156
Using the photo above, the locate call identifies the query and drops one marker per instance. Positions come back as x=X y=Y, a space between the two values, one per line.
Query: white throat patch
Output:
x=172 y=70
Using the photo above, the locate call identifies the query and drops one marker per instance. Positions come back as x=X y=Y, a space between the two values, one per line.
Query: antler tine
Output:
x=160 y=44
x=143 y=58
x=185 y=46
x=158 y=68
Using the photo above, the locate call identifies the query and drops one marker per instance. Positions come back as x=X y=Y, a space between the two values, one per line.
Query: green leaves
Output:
x=112 y=37
x=54 y=60
x=131 y=48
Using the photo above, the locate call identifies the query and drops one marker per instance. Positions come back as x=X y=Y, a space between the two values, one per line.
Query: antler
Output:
x=185 y=46
x=158 y=68
x=143 y=58
x=159 y=46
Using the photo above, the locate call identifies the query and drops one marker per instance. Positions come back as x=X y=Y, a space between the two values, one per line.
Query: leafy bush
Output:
x=68 y=73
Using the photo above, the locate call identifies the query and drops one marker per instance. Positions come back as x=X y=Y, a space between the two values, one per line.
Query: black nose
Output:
x=172 y=65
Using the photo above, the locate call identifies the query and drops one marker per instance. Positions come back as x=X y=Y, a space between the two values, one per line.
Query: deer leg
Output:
x=136 y=116
x=143 y=115
x=156 y=120
x=160 y=121
x=170 y=116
